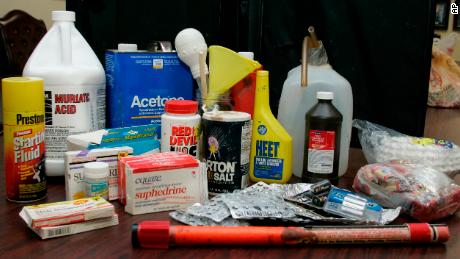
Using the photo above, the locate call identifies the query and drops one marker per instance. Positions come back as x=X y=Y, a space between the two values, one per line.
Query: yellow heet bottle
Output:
x=271 y=150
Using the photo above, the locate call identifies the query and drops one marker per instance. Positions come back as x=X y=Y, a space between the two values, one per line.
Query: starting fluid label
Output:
x=226 y=152
x=321 y=147
x=267 y=163
x=71 y=110
x=139 y=84
x=24 y=136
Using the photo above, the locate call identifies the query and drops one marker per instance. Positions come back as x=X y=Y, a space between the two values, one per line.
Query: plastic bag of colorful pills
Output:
x=423 y=193
x=381 y=144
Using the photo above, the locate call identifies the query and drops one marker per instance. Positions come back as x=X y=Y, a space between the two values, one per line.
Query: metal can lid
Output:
x=227 y=116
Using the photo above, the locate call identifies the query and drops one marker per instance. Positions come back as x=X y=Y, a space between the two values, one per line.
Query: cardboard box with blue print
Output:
x=139 y=83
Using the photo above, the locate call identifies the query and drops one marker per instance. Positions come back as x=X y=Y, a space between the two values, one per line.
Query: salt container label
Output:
x=226 y=151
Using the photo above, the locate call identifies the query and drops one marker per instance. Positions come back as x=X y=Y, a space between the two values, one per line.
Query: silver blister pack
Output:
x=291 y=190
x=215 y=210
x=257 y=205
x=191 y=220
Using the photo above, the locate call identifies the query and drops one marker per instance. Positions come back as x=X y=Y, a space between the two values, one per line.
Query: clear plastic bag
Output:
x=318 y=56
x=381 y=144
x=423 y=193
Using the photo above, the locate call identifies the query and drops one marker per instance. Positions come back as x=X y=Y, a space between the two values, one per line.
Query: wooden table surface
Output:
x=17 y=241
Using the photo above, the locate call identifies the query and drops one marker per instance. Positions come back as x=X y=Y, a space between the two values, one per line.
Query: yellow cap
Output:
x=23 y=94
x=262 y=73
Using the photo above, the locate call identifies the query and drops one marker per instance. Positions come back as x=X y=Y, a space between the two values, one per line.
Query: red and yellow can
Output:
x=24 y=138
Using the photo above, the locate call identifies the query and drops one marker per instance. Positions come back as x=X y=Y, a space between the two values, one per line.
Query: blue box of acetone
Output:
x=140 y=82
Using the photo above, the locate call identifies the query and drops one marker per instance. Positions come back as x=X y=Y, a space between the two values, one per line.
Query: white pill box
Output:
x=162 y=182
x=75 y=161
x=66 y=212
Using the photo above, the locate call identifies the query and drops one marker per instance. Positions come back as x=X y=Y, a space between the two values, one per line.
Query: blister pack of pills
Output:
x=214 y=210
x=257 y=205
x=191 y=220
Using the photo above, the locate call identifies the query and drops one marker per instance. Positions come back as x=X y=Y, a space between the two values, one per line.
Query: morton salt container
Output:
x=74 y=87
x=226 y=149
x=24 y=147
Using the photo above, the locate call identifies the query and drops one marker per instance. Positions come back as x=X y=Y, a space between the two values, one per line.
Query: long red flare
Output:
x=160 y=234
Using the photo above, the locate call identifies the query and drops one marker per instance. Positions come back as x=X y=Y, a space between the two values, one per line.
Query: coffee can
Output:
x=226 y=146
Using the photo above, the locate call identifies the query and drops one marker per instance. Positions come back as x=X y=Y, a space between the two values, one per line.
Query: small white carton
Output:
x=75 y=161
x=66 y=212
x=164 y=181
x=64 y=230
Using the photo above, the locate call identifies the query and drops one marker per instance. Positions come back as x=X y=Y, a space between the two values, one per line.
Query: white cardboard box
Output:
x=164 y=181
x=66 y=212
x=64 y=230
x=75 y=160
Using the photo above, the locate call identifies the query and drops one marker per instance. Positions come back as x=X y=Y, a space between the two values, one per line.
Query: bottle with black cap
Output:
x=323 y=123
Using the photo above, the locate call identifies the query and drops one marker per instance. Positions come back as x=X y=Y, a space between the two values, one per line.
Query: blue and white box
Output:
x=140 y=82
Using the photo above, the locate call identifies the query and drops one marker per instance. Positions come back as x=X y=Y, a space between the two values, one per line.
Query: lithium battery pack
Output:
x=75 y=161
x=66 y=212
x=162 y=182
x=140 y=82
x=65 y=230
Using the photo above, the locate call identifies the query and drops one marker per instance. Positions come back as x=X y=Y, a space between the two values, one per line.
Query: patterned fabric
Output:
x=444 y=88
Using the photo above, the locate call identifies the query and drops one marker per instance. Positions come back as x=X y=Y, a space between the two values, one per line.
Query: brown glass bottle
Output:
x=323 y=123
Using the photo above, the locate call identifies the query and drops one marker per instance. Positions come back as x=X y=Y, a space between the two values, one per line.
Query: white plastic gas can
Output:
x=296 y=101
x=74 y=86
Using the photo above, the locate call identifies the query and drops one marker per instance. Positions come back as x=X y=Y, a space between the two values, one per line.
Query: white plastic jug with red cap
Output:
x=74 y=86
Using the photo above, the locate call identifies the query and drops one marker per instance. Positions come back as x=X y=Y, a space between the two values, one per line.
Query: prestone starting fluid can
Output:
x=226 y=148
x=24 y=136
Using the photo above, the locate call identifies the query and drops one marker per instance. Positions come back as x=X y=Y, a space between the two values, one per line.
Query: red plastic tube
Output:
x=160 y=234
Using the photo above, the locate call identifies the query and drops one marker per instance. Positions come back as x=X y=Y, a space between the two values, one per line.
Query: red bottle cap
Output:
x=151 y=234
x=181 y=106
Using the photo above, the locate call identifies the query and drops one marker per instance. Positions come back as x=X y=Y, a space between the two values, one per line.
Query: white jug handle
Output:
x=65 y=28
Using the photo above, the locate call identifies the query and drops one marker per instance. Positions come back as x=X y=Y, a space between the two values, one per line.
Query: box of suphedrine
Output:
x=140 y=82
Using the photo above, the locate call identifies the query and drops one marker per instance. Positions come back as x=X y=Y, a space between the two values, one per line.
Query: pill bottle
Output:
x=96 y=175
x=180 y=127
